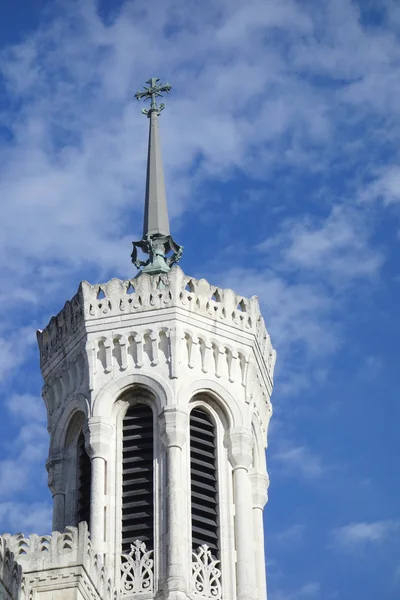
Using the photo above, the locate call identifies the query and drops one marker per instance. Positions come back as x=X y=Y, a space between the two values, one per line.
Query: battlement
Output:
x=66 y=552
x=118 y=298
x=12 y=585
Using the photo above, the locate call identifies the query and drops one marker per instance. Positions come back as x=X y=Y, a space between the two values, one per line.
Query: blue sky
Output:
x=281 y=150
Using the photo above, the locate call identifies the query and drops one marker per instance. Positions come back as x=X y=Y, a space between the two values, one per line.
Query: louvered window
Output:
x=84 y=472
x=203 y=470
x=137 y=477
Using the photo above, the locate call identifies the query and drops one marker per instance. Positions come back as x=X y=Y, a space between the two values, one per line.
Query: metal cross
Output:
x=154 y=89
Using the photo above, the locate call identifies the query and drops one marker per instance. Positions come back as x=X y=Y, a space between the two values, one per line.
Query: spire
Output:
x=156 y=240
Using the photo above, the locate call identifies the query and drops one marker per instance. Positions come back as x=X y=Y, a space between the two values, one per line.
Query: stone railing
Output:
x=71 y=548
x=206 y=576
x=154 y=292
x=12 y=585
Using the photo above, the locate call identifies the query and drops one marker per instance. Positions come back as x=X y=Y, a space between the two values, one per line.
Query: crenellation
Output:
x=58 y=556
x=145 y=294
x=12 y=585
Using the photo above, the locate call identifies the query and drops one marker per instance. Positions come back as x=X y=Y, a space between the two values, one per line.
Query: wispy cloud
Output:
x=335 y=249
x=300 y=461
x=25 y=517
x=358 y=535
x=289 y=537
x=26 y=407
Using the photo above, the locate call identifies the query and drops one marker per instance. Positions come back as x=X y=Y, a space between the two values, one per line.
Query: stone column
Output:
x=260 y=485
x=174 y=432
x=56 y=469
x=98 y=432
x=240 y=443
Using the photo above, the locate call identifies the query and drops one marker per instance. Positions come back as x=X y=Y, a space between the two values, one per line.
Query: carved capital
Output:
x=98 y=433
x=174 y=427
x=239 y=443
x=259 y=488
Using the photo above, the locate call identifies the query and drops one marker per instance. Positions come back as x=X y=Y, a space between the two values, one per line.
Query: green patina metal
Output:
x=156 y=241
x=155 y=88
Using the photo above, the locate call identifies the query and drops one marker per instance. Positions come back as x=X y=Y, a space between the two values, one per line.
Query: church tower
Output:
x=157 y=390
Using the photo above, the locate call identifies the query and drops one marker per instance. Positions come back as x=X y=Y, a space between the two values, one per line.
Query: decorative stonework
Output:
x=12 y=585
x=206 y=577
x=137 y=575
x=61 y=556
x=154 y=292
x=179 y=342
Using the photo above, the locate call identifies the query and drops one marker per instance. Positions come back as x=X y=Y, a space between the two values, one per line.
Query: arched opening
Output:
x=137 y=477
x=83 y=476
x=204 y=482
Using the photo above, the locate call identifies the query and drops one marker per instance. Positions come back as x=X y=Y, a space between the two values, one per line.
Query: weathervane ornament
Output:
x=156 y=241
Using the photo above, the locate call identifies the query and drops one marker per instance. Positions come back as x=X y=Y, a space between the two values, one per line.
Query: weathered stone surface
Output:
x=174 y=343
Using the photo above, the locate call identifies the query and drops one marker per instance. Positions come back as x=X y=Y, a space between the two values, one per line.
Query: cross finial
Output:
x=155 y=88
x=156 y=241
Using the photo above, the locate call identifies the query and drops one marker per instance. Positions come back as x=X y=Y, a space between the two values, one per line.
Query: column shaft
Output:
x=246 y=571
x=97 y=503
x=174 y=426
x=260 y=558
x=58 y=511
x=176 y=548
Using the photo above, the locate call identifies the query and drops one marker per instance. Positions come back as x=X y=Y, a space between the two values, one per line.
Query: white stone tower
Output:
x=157 y=391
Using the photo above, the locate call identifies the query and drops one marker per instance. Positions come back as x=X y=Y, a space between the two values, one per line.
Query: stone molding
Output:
x=98 y=432
x=259 y=487
x=173 y=427
x=154 y=292
x=239 y=442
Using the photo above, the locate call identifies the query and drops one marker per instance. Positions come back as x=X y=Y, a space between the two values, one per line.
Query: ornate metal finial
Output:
x=156 y=241
x=154 y=89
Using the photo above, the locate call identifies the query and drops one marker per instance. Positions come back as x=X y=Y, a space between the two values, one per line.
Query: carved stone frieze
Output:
x=154 y=292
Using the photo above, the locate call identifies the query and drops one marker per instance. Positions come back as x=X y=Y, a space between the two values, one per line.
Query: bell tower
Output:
x=157 y=391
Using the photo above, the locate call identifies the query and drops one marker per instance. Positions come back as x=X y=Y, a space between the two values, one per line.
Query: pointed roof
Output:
x=156 y=220
x=156 y=240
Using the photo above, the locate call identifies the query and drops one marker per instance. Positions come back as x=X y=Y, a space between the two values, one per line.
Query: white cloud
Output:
x=336 y=248
x=355 y=536
x=76 y=162
x=24 y=460
x=299 y=461
x=15 y=346
x=291 y=536
x=384 y=187
x=25 y=517
x=26 y=407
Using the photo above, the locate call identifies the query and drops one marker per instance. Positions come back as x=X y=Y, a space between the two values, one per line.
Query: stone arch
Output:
x=112 y=402
x=105 y=400
x=228 y=407
x=212 y=406
x=140 y=395
x=77 y=404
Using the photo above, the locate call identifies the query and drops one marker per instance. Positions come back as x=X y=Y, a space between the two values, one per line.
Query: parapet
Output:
x=121 y=299
x=57 y=559
x=11 y=578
